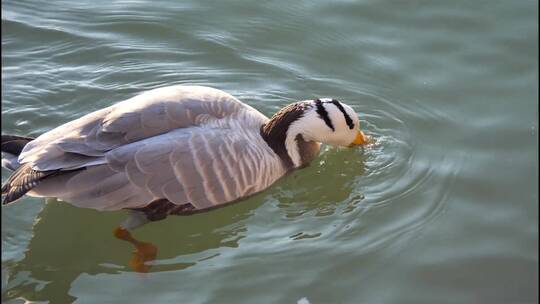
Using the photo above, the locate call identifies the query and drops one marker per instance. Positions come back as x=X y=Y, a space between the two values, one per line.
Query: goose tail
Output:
x=19 y=182
x=12 y=146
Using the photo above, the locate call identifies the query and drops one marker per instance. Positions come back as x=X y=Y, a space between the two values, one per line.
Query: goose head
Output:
x=297 y=130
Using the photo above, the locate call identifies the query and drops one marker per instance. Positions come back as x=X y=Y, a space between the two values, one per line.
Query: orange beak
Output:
x=360 y=139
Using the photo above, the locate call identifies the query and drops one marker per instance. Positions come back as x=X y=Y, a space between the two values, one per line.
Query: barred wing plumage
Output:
x=185 y=144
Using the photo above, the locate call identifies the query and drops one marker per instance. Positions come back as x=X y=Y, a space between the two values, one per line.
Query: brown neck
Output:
x=274 y=132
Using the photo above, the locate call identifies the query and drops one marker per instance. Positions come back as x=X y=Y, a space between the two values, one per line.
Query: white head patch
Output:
x=327 y=121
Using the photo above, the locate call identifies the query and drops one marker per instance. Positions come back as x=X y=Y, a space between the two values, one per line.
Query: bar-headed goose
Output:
x=172 y=150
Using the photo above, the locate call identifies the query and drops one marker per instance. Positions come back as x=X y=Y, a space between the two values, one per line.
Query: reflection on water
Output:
x=69 y=241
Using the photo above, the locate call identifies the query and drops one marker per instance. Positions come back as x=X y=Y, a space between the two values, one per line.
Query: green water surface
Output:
x=442 y=209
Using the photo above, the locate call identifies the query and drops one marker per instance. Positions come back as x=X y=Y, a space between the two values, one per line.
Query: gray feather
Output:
x=185 y=145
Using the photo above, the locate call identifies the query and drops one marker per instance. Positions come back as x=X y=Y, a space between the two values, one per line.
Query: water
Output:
x=441 y=209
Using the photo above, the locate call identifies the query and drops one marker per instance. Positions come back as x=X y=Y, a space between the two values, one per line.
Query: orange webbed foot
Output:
x=144 y=252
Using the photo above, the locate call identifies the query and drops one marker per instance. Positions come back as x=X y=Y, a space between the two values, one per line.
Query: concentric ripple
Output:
x=403 y=178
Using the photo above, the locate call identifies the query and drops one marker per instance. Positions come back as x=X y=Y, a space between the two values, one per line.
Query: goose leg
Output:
x=155 y=211
x=144 y=251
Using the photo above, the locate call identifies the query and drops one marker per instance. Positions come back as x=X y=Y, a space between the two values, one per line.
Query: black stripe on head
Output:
x=348 y=119
x=323 y=114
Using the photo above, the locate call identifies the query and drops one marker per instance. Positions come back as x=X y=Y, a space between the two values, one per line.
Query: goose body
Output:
x=173 y=150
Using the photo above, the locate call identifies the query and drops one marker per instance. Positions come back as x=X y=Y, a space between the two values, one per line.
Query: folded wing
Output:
x=84 y=141
x=203 y=167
